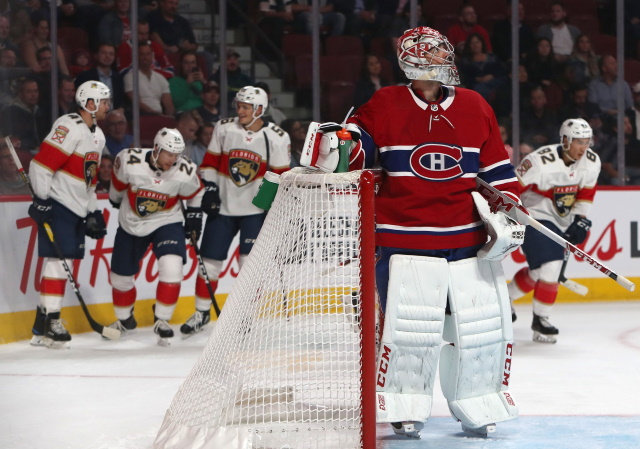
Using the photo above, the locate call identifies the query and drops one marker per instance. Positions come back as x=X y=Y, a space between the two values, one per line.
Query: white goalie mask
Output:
x=254 y=96
x=92 y=90
x=417 y=51
x=576 y=128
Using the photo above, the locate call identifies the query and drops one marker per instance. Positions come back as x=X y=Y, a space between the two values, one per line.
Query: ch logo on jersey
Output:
x=564 y=198
x=91 y=161
x=149 y=202
x=59 y=134
x=243 y=166
x=436 y=161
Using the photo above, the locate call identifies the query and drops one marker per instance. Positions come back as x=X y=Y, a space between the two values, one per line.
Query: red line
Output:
x=623 y=338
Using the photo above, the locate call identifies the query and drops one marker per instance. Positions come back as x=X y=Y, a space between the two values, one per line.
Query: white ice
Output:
x=582 y=392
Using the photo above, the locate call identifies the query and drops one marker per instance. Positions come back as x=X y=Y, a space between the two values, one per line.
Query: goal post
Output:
x=291 y=361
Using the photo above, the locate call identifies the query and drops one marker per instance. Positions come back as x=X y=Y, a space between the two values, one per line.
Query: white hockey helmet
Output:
x=254 y=96
x=92 y=90
x=170 y=140
x=576 y=128
x=416 y=51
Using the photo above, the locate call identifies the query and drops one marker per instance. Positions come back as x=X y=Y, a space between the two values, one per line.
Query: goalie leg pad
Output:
x=411 y=337
x=475 y=368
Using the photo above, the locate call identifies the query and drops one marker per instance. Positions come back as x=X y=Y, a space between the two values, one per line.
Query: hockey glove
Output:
x=577 y=232
x=505 y=234
x=320 y=149
x=193 y=222
x=41 y=210
x=211 y=199
x=96 y=228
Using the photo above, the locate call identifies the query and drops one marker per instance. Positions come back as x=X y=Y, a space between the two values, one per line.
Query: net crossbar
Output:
x=283 y=366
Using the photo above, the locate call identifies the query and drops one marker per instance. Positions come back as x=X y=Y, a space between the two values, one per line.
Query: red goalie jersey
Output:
x=431 y=154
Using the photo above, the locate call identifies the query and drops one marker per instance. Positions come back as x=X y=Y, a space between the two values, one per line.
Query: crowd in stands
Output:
x=565 y=69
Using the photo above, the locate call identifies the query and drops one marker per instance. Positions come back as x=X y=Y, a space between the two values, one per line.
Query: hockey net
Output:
x=291 y=361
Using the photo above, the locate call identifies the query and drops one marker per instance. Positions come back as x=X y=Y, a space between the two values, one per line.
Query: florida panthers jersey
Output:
x=66 y=166
x=237 y=160
x=554 y=191
x=431 y=154
x=150 y=198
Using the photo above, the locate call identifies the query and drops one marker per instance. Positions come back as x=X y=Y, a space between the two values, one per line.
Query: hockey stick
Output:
x=107 y=332
x=203 y=271
x=499 y=200
x=568 y=283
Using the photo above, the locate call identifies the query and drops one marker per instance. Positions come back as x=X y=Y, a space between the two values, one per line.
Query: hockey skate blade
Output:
x=38 y=340
x=51 y=344
x=409 y=429
x=164 y=342
x=111 y=333
x=480 y=431
x=542 y=338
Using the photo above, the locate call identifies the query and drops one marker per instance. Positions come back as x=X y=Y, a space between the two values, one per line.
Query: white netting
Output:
x=282 y=366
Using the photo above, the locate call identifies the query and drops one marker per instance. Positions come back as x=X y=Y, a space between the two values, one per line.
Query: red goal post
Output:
x=291 y=362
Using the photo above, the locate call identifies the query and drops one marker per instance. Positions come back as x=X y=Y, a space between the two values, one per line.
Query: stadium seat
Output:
x=379 y=46
x=588 y=24
x=603 y=44
x=150 y=125
x=296 y=44
x=536 y=7
x=486 y=8
x=587 y=7
x=442 y=22
x=340 y=68
x=631 y=71
x=554 y=96
x=343 y=45
x=72 y=39
x=490 y=20
x=337 y=100
x=433 y=8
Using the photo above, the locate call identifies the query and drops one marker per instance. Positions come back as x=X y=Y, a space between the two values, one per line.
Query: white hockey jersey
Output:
x=66 y=167
x=150 y=198
x=237 y=160
x=554 y=191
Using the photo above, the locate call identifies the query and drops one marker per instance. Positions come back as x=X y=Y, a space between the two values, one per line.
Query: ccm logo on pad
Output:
x=384 y=365
x=507 y=365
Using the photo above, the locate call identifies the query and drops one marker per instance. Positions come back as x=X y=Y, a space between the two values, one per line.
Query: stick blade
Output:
x=575 y=287
x=626 y=283
x=111 y=333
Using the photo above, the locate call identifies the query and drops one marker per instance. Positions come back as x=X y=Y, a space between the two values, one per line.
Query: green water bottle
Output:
x=344 y=145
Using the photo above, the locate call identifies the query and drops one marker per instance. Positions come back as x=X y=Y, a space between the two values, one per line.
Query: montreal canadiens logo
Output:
x=436 y=161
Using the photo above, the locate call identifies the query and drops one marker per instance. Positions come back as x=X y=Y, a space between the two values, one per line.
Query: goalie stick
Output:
x=105 y=331
x=568 y=283
x=500 y=201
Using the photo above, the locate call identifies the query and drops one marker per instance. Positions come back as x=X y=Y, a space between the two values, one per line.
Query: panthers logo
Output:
x=148 y=202
x=243 y=166
x=91 y=161
x=564 y=198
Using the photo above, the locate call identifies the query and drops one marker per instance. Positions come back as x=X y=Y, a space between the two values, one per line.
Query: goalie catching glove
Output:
x=320 y=149
x=506 y=234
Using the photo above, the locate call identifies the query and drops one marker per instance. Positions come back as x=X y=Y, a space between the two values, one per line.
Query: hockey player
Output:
x=64 y=175
x=436 y=275
x=560 y=184
x=148 y=186
x=241 y=151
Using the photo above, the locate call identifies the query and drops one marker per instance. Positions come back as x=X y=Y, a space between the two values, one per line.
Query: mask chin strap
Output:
x=93 y=115
x=254 y=118
x=155 y=154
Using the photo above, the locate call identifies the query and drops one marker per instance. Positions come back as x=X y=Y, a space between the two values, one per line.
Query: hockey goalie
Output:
x=438 y=273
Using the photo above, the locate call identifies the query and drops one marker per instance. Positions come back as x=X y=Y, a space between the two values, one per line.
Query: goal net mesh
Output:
x=282 y=367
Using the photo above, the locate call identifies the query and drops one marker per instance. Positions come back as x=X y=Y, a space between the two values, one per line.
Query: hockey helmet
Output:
x=170 y=140
x=254 y=96
x=92 y=90
x=417 y=51
x=576 y=128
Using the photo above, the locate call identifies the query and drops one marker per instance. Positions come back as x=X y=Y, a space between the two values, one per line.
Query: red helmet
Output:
x=418 y=56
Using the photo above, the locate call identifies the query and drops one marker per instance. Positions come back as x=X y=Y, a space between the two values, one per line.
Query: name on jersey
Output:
x=91 y=161
x=59 y=134
x=148 y=202
x=243 y=166
x=436 y=161
x=564 y=197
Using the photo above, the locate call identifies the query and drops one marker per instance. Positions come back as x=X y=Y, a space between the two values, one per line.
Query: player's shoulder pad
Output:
x=275 y=131
x=186 y=166
x=592 y=156
x=227 y=121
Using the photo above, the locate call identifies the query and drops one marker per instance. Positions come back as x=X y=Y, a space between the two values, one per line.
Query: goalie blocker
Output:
x=475 y=365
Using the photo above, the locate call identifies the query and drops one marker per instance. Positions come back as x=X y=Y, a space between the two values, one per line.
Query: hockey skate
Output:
x=56 y=336
x=410 y=429
x=163 y=330
x=482 y=431
x=126 y=327
x=38 y=338
x=195 y=324
x=543 y=331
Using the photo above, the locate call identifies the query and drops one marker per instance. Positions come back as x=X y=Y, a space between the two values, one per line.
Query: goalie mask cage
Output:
x=291 y=362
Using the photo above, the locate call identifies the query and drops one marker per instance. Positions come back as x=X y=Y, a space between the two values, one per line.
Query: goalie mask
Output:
x=425 y=54
x=92 y=90
x=256 y=97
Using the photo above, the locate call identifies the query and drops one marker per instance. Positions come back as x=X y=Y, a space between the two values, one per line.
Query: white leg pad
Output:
x=475 y=368
x=411 y=337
